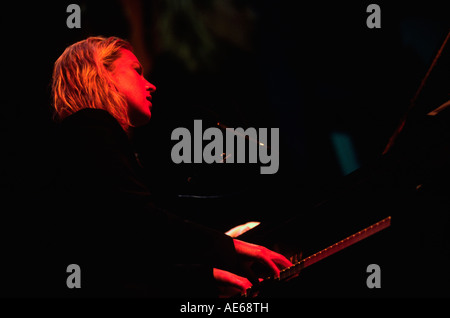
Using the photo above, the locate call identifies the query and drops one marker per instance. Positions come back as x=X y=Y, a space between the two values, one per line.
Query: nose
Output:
x=150 y=87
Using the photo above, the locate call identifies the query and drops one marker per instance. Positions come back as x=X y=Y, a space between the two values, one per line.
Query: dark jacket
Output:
x=124 y=244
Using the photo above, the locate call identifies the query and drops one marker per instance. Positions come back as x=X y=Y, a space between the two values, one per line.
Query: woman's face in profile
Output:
x=129 y=80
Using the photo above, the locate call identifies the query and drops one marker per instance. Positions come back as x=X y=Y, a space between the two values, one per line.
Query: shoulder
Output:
x=92 y=125
x=93 y=146
x=90 y=117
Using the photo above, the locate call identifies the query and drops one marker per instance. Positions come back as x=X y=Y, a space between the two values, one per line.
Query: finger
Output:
x=282 y=261
x=276 y=262
x=279 y=259
x=230 y=284
x=233 y=289
x=232 y=279
x=274 y=268
x=241 y=283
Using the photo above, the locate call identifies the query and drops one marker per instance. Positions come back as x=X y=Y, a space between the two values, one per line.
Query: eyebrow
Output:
x=138 y=64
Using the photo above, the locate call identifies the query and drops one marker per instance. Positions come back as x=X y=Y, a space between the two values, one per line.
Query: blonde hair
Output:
x=82 y=79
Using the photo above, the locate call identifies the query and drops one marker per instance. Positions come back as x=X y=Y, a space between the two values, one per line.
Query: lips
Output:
x=149 y=98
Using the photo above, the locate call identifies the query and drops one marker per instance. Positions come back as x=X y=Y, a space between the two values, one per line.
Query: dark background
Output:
x=335 y=88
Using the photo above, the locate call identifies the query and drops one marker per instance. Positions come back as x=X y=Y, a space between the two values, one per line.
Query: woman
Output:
x=123 y=244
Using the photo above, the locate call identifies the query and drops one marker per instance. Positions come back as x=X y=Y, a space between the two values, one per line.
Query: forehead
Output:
x=126 y=57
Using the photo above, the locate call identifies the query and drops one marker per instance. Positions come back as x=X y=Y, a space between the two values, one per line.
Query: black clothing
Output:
x=124 y=244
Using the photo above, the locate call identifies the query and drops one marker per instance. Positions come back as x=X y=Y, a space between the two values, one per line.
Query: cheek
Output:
x=130 y=89
x=124 y=83
x=127 y=85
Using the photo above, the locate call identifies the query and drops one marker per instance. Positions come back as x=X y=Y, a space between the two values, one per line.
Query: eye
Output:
x=139 y=70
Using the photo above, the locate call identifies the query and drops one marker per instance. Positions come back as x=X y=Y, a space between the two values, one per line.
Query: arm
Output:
x=147 y=241
x=115 y=221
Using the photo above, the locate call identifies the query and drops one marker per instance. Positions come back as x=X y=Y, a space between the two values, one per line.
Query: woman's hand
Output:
x=230 y=284
x=255 y=253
